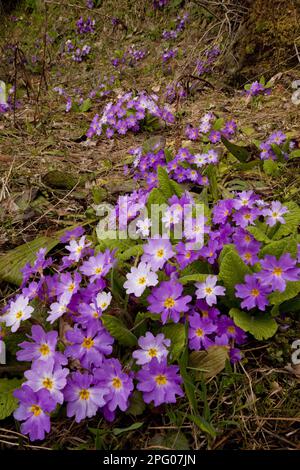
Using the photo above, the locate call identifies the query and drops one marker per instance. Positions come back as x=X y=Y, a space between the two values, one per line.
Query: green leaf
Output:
x=133 y=427
x=218 y=124
x=156 y=197
x=292 y=289
x=258 y=233
x=261 y=326
x=292 y=221
x=295 y=154
x=118 y=330
x=12 y=262
x=203 y=425
x=192 y=278
x=271 y=167
x=239 y=152
x=133 y=251
x=86 y=105
x=278 y=248
x=210 y=363
x=8 y=403
x=232 y=271
x=176 y=333
x=137 y=404
x=167 y=186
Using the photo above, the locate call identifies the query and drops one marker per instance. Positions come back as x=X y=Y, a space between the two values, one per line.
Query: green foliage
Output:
x=232 y=271
x=278 y=248
x=261 y=326
x=292 y=221
x=292 y=289
x=12 y=262
x=192 y=278
x=8 y=403
x=118 y=330
x=176 y=333
x=239 y=152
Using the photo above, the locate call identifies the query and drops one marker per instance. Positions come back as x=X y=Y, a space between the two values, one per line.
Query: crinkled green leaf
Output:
x=292 y=289
x=176 y=333
x=261 y=326
x=8 y=403
x=118 y=330
x=278 y=248
x=232 y=271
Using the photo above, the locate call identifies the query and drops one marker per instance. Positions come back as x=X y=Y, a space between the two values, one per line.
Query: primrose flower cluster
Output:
x=78 y=53
x=207 y=129
x=277 y=145
x=257 y=89
x=179 y=27
x=128 y=114
x=205 y=64
x=85 y=26
x=131 y=57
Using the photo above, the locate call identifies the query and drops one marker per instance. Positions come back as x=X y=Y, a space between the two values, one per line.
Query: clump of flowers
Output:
x=85 y=26
x=160 y=3
x=77 y=53
x=131 y=57
x=258 y=88
x=205 y=64
x=180 y=25
x=129 y=113
x=276 y=147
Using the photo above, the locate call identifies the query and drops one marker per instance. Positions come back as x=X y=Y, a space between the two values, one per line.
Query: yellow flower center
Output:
x=204 y=313
x=71 y=287
x=247 y=238
x=169 y=302
x=36 y=410
x=95 y=314
x=161 y=379
x=104 y=305
x=247 y=216
x=19 y=314
x=98 y=270
x=48 y=383
x=188 y=255
x=152 y=352
x=116 y=382
x=275 y=214
x=255 y=292
x=160 y=253
x=87 y=343
x=142 y=280
x=248 y=256
x=277 y=271
x=79 y=250
x=199 y=332
x=231 y=329
x=84 y=394
x=44 y=349
x=208 y=290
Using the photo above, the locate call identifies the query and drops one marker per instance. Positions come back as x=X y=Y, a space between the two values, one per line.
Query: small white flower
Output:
x=57 y=309
x=144 y=227
x=208 y=290
x=103 y=300
x=19 y=310
x=139 y=278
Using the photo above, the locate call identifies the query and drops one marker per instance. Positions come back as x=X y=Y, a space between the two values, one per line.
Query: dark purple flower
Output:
x=89 y=345
x=167 y=300
x=159 y=382
x=83 y=398
x=34 y=409
x=199 y=330
x=276 y=272
x=118 y=384
x=253 y=293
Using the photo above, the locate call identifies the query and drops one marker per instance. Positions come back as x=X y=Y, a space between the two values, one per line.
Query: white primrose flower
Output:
x=139 y=278
x=18 y=311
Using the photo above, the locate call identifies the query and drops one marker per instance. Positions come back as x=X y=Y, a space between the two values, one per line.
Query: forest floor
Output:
x=51 y=175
